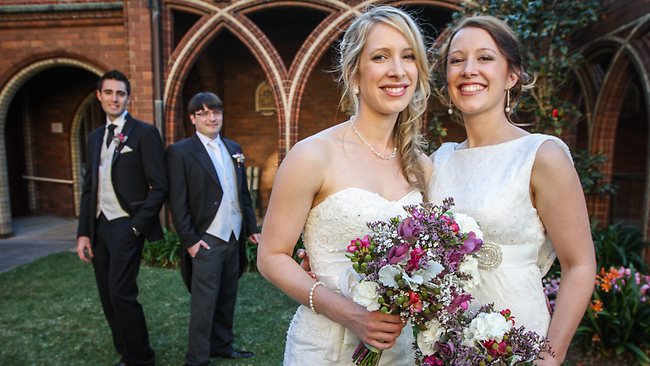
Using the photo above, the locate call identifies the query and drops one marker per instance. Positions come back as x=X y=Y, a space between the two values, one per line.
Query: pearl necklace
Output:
x=380 y=155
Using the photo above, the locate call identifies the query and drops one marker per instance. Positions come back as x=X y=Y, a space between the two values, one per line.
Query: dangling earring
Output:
x=507 y=100
x=355 y=89
x=450 y=111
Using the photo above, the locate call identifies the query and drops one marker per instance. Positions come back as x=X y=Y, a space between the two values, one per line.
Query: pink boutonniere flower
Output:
x=120 y=139
x=239 y=158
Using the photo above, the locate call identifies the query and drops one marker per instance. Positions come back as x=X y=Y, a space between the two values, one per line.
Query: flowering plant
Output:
x=239 y=158
x=617 y=320
x=419 y=267
x=485 y=337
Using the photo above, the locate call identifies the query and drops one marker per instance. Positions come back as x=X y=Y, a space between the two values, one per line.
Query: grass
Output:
x=50 y=315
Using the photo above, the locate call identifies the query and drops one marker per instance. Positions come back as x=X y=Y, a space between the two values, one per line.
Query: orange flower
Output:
x=595 y=338
x=606 y=286
x=596 y=306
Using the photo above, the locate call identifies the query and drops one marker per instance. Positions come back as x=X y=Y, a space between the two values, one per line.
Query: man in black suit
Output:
x=125 y=185
x=213 y=214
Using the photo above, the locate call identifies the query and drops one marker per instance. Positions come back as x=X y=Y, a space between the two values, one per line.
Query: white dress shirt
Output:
x=108 y=203
x=229 y=216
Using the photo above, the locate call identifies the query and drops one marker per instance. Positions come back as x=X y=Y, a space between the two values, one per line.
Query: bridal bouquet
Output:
x=419 y=267
x=484 y=338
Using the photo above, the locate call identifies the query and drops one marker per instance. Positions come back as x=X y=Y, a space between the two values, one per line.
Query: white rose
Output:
x=486 y=326
x=467 y=223
x=428 y=338
x=470 y=266
x=366 y=294
x=387 y=275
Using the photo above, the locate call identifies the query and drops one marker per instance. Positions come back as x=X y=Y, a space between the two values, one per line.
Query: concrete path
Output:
x=35 y=237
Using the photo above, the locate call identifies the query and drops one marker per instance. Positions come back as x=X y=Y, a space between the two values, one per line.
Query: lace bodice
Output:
x=330 y=226
x=340 y=218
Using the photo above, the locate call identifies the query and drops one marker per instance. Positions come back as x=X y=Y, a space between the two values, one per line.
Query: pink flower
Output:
x=460 y=301
x=397 y=253
x=432 y=361
x=352 y=248
x=416 y=305
x=414 y=261
x=365 y=242
x=471 y=244
x=508 y=315
x=495 y=351
x=407 y=229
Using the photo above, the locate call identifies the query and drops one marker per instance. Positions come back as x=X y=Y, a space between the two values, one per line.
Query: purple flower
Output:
x=398 y=253
x=460 y=300
x=471 y=244
x=447 y=350
x=408 y=228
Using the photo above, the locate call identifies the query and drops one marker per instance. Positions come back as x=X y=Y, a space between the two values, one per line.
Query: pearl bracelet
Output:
x=311 y=295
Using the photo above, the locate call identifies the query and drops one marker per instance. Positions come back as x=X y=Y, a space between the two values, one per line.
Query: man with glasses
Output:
x=124 y=187
x=213 y=214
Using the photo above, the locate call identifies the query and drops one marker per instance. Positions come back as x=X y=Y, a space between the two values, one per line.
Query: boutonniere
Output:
x=239 y=158
x=120 y=140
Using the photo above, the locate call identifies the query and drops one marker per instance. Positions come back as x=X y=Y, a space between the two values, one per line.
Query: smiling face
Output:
x=208 y=122
x=477 y=73
x=113 y=97
x=388 y=73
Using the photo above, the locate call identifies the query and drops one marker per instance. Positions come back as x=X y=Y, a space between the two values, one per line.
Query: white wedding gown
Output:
x=330 y=226
x=492 y=184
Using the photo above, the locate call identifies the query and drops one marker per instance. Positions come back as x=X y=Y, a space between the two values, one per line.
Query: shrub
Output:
x=618 y=318
x=251 y=254
x=589 y=168
x=163 y=253
x=619 y=246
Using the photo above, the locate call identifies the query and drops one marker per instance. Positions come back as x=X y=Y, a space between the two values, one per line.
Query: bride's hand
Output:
x=375 y=328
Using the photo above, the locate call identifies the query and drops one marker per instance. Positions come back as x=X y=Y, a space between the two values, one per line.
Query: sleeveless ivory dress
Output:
x=492 y=184
x=331 y=225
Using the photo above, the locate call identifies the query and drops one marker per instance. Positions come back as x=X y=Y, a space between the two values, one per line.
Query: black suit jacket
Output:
x=139 y=178
x=195 y=195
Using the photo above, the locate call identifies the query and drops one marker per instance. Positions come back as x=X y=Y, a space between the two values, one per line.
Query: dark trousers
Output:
x=117 y=263
x=214 y=292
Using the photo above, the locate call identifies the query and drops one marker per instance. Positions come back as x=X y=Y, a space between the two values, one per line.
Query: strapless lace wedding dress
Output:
x=492 y=184
x=331 y=225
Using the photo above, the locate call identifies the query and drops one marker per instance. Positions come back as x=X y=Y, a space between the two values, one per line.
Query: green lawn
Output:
x=50 y=315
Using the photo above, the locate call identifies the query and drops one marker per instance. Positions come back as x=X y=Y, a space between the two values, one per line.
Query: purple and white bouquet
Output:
x=419 y=267
x=485 y=338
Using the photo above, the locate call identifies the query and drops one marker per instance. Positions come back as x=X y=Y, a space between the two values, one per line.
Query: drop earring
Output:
x=507 y=100
x=450 y=111
x=355 y=89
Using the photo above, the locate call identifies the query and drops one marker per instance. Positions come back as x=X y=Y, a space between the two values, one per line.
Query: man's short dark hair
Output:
x=114 y=75
x=204 y=100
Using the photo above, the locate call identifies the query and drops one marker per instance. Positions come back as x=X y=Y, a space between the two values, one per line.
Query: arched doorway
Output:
x=37 y=107
x=630 y=158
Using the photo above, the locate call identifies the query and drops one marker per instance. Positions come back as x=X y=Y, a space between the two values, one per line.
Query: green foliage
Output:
x=621 y=330
x=619 y=246
x=589 y=170
x=251 y=254
x=51 y=316
x=436 y=134
x=165 y=252
x=616 y=246
x=545 y=28
x=617 y=321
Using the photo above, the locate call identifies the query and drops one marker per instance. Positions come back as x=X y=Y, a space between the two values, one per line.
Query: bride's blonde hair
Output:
x=408 y=129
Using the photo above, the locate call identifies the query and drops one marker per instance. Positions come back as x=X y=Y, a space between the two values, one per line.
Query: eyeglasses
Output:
x=208 y=113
